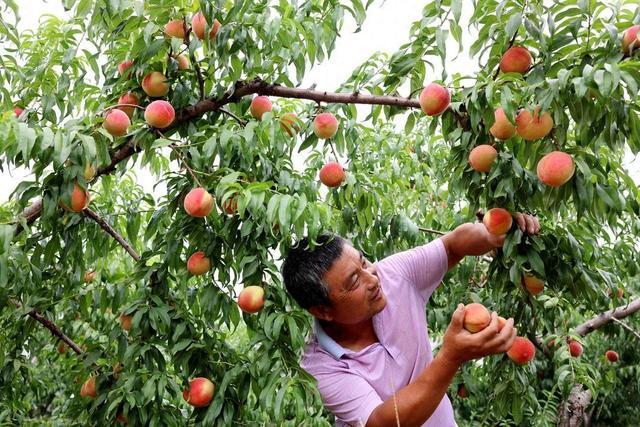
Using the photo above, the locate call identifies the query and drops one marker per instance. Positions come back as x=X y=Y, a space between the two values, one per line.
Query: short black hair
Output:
x=304 y=268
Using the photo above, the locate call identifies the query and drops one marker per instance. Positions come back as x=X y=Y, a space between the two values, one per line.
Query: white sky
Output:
x=385 y=29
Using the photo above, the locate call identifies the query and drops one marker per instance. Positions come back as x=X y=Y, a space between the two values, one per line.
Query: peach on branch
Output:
x=175 y=28
x=61 y=348
x=619 y=293
x=498 y=221
x=79 y=200
x=159 y=114
x=290 y=123
x=555 y=168
x=631 y=39
x=533 y=284
x=522 y=351
x=88 y=389
x=199 y=23
x=533 y=126
x=516 y=59
x=17 y=111
x=198 y=263
x=434 y=99
x=611 y=356
x=124 y=66
x=183 y=62
x=332 y=174
x=251 y=299
x=125 y=321
x=462 y=391
x=121 y=418
x=130 y=99
x=260 y=105
x=482 y=157
x=155 y=84
x=476 y=317
x=198 y=202
x=325 y=125
x=200 y=392
x=575 y=348
x=116 y=122
x=89 y=276
x=502 y=127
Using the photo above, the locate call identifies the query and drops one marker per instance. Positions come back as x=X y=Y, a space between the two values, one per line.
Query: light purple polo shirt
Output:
x=352 y=384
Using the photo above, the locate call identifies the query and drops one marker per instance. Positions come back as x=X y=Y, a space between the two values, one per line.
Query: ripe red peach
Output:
x=332 y=174
x=462 y=391
x=116 y=122
x=129 y=98
x=124 y=66
x=121 y=418
x=200 y=392
x=198 y=202
x=126 y=321
x=325 y=125
x=522 y=351
x=175 y=28
x=155 y=84
x=575 y=348
x=79 y=200
x=516 y=59
x=498 y=221
x=533 y=284
x=290 y=123
x=259 y=106
x=434 y=99
x=482 y=157
x=88 y=389
x=159 y=114
x=502 y=127
x=533 y=126
x=198 y=23
x=631 y=35
x=612 y=356
x=251 y=299
x=183 y=62
x=17 y=111
x=61 y=348
x=555 y=168
x=476 y=317
x=198 y=263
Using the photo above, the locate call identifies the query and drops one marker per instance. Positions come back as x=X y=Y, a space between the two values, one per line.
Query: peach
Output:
x=155 y=84
x=259 y=106
x=482 y=157
x=124 y=66
x=290 y=123
x=251 y=299
x=89 y=276
x=126 y=321
x=533 y=284
x=175 y=28
x=198 y=263
x=116 y=122
x=434 y=99
x=612 y=356
x=630 y=39
x=516 y=59
x=88 y=389
x=498 y=221
x=199 y=393
x=325 y=125
x=332 y=174
x=183 y=62
x=89 y=173
x=502 y=127
x=522 y=351
x=476 y=317
x=619 y=293
x=533 y=126
x=159 y=114
x=198 y=23
x=575 y=348
x=61 y=348
x=198 y=202
x=462 y=391
x=230 y=206
x=555 y=168
x=17 y=111
x=121 y=418
x=79 y=200
x=129 y=98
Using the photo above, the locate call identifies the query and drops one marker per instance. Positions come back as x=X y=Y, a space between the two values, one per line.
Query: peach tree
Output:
x=166 y=307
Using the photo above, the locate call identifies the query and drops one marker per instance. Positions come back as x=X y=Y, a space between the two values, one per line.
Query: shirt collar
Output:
x=326 y=342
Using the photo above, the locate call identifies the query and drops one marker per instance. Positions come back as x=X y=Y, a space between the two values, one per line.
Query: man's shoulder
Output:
x=316 y=360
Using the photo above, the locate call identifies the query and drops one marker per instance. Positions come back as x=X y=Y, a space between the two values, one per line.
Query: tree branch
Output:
x=574 y=410
x=627 y=327
x=113 y=233
x=606 y=317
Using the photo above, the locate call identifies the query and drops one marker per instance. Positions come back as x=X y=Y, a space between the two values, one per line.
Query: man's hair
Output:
x=303 y=269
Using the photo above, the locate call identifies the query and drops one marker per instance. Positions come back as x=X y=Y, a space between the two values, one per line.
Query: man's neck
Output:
x=354 y=337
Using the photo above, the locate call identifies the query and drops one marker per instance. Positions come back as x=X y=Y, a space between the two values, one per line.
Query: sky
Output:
x=385 y=29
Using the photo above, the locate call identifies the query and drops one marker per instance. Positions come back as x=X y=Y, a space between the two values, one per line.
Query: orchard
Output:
x=124 y=306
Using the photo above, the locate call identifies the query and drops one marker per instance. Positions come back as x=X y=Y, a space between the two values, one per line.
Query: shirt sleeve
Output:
x=349 y=397
x=423 y=266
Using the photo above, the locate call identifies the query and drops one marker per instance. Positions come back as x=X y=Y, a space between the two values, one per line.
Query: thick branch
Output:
x=51 y=327
x=574 y=411
x=606 y=317
x=113 y=233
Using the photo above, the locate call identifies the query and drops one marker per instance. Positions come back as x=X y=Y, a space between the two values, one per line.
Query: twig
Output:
x=429 y=230
x=192 y=55
x=624 y=325
x=513 y=40
x=242 y=123
x=113 y=233
x=123 y=105
x=182 y=159
x=333 y=149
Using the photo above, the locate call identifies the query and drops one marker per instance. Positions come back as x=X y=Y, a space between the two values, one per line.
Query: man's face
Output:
x=354 y=288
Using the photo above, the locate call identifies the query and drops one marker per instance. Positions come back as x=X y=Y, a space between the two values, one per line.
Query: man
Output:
x=370 y=351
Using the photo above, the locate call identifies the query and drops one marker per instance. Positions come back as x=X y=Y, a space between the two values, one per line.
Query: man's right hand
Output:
x=460 y=345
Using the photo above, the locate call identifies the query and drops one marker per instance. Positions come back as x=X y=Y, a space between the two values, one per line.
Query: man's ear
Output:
x=322 y=312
